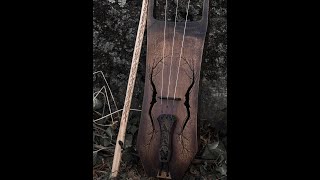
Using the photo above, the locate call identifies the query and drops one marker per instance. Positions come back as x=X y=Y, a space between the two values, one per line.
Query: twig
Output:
x=105 y=80
x=113 y=113
x=104 y=137
x=97 y=113
x=106 y=125
x=100 y=148
x=114 y=122
x=105 y=97
x=130 y=86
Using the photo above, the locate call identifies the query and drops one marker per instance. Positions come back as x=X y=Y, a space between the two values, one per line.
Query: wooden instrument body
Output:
x=183 y=134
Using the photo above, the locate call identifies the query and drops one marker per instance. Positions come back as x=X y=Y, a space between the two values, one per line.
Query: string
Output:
x=174 y=34
x=184 y=32
x=164 y=44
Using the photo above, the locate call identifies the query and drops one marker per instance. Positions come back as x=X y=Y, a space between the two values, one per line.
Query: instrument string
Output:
x=174 y=34
x=172 y=49
x=164 y=44
x=181 y=49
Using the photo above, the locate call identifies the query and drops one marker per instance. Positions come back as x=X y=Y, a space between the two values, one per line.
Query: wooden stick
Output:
x=131 y=81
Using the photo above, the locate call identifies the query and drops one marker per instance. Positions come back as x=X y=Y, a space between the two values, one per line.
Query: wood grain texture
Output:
x=184 y=138
x=130 y=86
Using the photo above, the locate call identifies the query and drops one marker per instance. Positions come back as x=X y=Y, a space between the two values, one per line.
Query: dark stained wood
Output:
x=183 y=105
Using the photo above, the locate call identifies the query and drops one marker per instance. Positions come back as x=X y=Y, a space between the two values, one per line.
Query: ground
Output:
x=115 y=24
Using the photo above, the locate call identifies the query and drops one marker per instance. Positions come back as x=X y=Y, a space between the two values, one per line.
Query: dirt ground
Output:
x=115 y=24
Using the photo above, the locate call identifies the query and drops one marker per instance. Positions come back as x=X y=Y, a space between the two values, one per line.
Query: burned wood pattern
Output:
x=170 y=145
x=166 y=123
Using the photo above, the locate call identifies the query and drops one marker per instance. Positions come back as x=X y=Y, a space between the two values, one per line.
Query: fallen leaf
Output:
x=110 y=132
x=222 y=169
x=213 y=145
